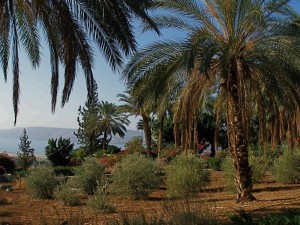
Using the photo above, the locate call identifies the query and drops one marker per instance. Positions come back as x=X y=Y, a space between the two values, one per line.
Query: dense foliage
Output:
x=7 y=162
x=135 y=177
x=186 y=176
x=89 y=176
x=41 y=182
x=59 y=151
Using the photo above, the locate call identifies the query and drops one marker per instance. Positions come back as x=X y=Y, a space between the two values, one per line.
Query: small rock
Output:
x=8 y=190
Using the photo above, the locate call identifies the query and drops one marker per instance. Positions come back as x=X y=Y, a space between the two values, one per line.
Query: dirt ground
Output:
x=19 y=208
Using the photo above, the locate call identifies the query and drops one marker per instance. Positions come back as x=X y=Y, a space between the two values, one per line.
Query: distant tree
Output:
x=112 y=121
x=25 y=157
x=59 y=152
x=88 y=134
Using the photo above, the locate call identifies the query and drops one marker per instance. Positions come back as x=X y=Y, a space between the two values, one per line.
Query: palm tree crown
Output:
x=67 y=27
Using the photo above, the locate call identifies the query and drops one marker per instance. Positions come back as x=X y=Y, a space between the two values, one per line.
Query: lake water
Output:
x=11 y=145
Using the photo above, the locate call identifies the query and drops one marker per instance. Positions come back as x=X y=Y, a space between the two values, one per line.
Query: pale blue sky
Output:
x=35 y=107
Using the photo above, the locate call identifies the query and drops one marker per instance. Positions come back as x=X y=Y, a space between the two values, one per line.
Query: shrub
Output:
x=89 y=175
x=112 y=149
x=67 y=195
x=259 y=167
x=2 y=170
x=215 y=163
x=41 y=182
x=99 y=202
x=228 y=168
x=135 y=177
x=186 y=176
x=179 y=213
x=81 y=153
x=59 y=151
x=7 y=162
x=286 y=169
x=134 y=145
x=174 y=213
x=64 y=170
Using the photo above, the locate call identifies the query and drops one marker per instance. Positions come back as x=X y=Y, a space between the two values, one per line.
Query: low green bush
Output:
x=135 y=177
x=89 y=176
x=67 y=195
x=8 y=162
x=286 y=169
x=112 y=149
x=259 y=167
x=41 y=182
x=64 y=170
x=98 y=202
x=215 y=163
x=228 y=168
x=186 y=176
x=2 y=170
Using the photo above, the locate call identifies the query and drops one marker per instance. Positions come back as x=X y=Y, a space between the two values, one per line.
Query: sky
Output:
x=35 y=99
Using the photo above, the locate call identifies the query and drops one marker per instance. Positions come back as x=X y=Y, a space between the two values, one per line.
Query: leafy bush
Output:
x=89 y=175
x=215 y=163
x=41 y=182
x=81 y=153
x=168 y=152
x=67 y=195
x=135 y=177
x=134 y=145
x=64 y=170
x=228 y=168
x=7 y=162
x=186 y=176
x=112 y=149
x=286 y=168
x=2 y=170
x=59 y=151
x=259 y=167
x=99 y=202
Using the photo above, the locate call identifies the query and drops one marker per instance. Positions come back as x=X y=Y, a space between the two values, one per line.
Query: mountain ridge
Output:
x=38 y=133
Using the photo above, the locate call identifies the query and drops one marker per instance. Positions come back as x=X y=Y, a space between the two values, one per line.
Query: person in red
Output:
x=202 y=146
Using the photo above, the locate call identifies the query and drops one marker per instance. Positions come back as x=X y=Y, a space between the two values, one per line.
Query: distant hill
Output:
x=44 y=133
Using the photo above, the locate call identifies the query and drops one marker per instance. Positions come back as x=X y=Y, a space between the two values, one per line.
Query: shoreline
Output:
x=14 y=154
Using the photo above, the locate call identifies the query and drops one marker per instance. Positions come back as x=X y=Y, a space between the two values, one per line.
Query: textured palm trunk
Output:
x=104 y=141
x=238 y=144
x=262 y=128
x=147 y=132
x=160 y=133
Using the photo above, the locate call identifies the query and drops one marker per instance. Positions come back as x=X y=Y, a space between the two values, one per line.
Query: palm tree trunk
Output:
x=262 y=127
x=160 y=133
x=104 y=140
x=238 y=144
x=147 y=131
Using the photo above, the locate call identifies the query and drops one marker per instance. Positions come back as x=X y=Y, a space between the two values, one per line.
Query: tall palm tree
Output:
x=111 y=122
x=132 y=106
x=67 y=27
x=235 y=45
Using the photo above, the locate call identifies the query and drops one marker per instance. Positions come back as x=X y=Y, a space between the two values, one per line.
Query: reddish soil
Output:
x=19 y=208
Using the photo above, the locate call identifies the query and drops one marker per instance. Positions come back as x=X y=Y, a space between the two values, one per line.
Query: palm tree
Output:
x=133 y=107
x=234 y=45
x=67 y=27
x=111 y=122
